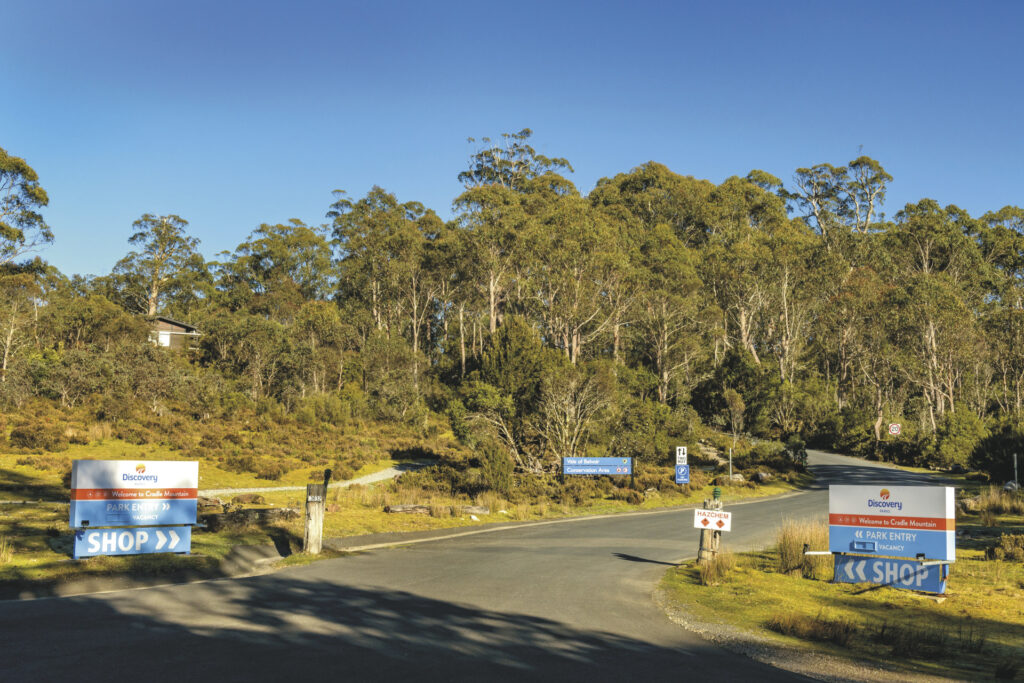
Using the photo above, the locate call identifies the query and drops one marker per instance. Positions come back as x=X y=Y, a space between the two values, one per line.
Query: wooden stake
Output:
x=312 y=542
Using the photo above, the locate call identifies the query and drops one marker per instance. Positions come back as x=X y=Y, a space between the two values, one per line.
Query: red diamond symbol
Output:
x=705 y=521
x=720 y=524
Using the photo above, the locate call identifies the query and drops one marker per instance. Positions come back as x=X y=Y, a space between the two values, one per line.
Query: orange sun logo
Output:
x=140 y=468
x=884 y=495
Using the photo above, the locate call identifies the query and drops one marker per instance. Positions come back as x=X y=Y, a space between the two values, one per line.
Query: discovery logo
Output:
x=884 y=501
x=140 y=475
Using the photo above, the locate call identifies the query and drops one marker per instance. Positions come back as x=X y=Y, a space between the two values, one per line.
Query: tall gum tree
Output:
x=22 y=228
x=166 y=259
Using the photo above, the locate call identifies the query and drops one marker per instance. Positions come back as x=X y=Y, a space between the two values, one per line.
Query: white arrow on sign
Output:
x=859 y=566
x=859 y=533
x=161 y=539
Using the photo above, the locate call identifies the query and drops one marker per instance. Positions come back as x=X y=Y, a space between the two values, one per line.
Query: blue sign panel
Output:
x=891 y=542
x=92 y=542
x=132 y=512
x=682 y=474
x=597 y=465
x=907 y=574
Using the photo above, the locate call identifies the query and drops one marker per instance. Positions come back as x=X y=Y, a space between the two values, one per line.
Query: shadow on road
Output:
x=284 y=628
x=634 y=558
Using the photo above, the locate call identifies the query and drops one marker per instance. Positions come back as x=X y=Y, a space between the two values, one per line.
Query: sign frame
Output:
x=133 y=493
x=914 y=522
x=715 y=520
x=597 y=466
x=927 y=577
x=682 y=474
x=132 y=541
x=680 y=455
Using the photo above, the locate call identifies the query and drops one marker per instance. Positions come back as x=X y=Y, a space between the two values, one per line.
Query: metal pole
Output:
x=730 y=466
x=1015 y=479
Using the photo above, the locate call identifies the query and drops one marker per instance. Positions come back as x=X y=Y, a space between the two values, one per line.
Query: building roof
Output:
x=177 y=323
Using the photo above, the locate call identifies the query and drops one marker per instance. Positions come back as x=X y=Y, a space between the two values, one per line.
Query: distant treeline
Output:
x=543 y=323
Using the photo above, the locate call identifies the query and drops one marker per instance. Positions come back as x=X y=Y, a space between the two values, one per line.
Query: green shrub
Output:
x=496 y=467
x=39 y=436
x=957 y=437
x=1010 y=547
x=272 y=470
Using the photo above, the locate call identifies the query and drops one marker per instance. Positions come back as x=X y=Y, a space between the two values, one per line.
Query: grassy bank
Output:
x=977 y=632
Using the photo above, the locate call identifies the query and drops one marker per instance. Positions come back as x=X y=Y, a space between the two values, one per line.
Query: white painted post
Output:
x=312 y=543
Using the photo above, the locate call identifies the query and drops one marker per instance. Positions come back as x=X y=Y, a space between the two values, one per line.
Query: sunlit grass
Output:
x=981 y=622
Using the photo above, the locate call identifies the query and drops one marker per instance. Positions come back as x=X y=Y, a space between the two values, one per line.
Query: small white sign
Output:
x=716 y=520
x=894 y=429
x=680 y=455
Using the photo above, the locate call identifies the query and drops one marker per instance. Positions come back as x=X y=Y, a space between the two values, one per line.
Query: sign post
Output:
x=312 y=541
x=711 y=521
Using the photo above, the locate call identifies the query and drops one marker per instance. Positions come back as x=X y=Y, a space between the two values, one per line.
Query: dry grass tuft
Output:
x=717 y=569
x=792 y=537
x=6 y=550
x=1001 y=502
x=830 y=630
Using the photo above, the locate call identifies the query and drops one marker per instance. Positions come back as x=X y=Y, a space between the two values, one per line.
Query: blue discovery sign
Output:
x=139 y=541
x=132 y=512
x=682 y=474
x=597 y=465
x=907 y=574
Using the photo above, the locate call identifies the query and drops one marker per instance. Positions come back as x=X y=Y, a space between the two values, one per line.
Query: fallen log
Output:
x=410 y=509
x=476 y=510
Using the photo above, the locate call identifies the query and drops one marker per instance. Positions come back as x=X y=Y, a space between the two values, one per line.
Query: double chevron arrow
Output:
x=161 y=539
x=850 y=567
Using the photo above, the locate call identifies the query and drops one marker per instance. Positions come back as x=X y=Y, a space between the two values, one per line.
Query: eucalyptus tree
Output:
x=499 y=209
x=840 y=200
x=22 y=227
x=737 y=261
x=941 y=275
x=277 y=269
x=386 y=262
x=18 y=291
x=166 y=266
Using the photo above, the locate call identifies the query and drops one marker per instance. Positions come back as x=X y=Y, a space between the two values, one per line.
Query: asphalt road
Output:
x=566 y=602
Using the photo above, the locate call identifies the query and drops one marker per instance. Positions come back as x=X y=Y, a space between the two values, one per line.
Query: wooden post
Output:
x=710 y=540
x=313 y=540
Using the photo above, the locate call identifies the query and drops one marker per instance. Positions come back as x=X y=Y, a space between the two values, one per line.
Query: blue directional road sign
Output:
x=597 y=465
x=132 y=512
x=908 y=574
x=137 y=541
x=682 y=474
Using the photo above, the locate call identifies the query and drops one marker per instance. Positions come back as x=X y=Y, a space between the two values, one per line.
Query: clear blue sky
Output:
x=236 y=114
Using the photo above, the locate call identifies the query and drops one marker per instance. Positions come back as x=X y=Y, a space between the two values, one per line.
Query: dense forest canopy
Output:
x=540 y=322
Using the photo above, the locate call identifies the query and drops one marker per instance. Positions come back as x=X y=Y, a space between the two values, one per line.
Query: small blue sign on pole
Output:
x=682 y=474
x=597 y=465
x=134 y=541
x=906 y=574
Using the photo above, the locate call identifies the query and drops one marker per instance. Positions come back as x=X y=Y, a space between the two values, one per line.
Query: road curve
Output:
x=562 y=602
x=383 y=475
